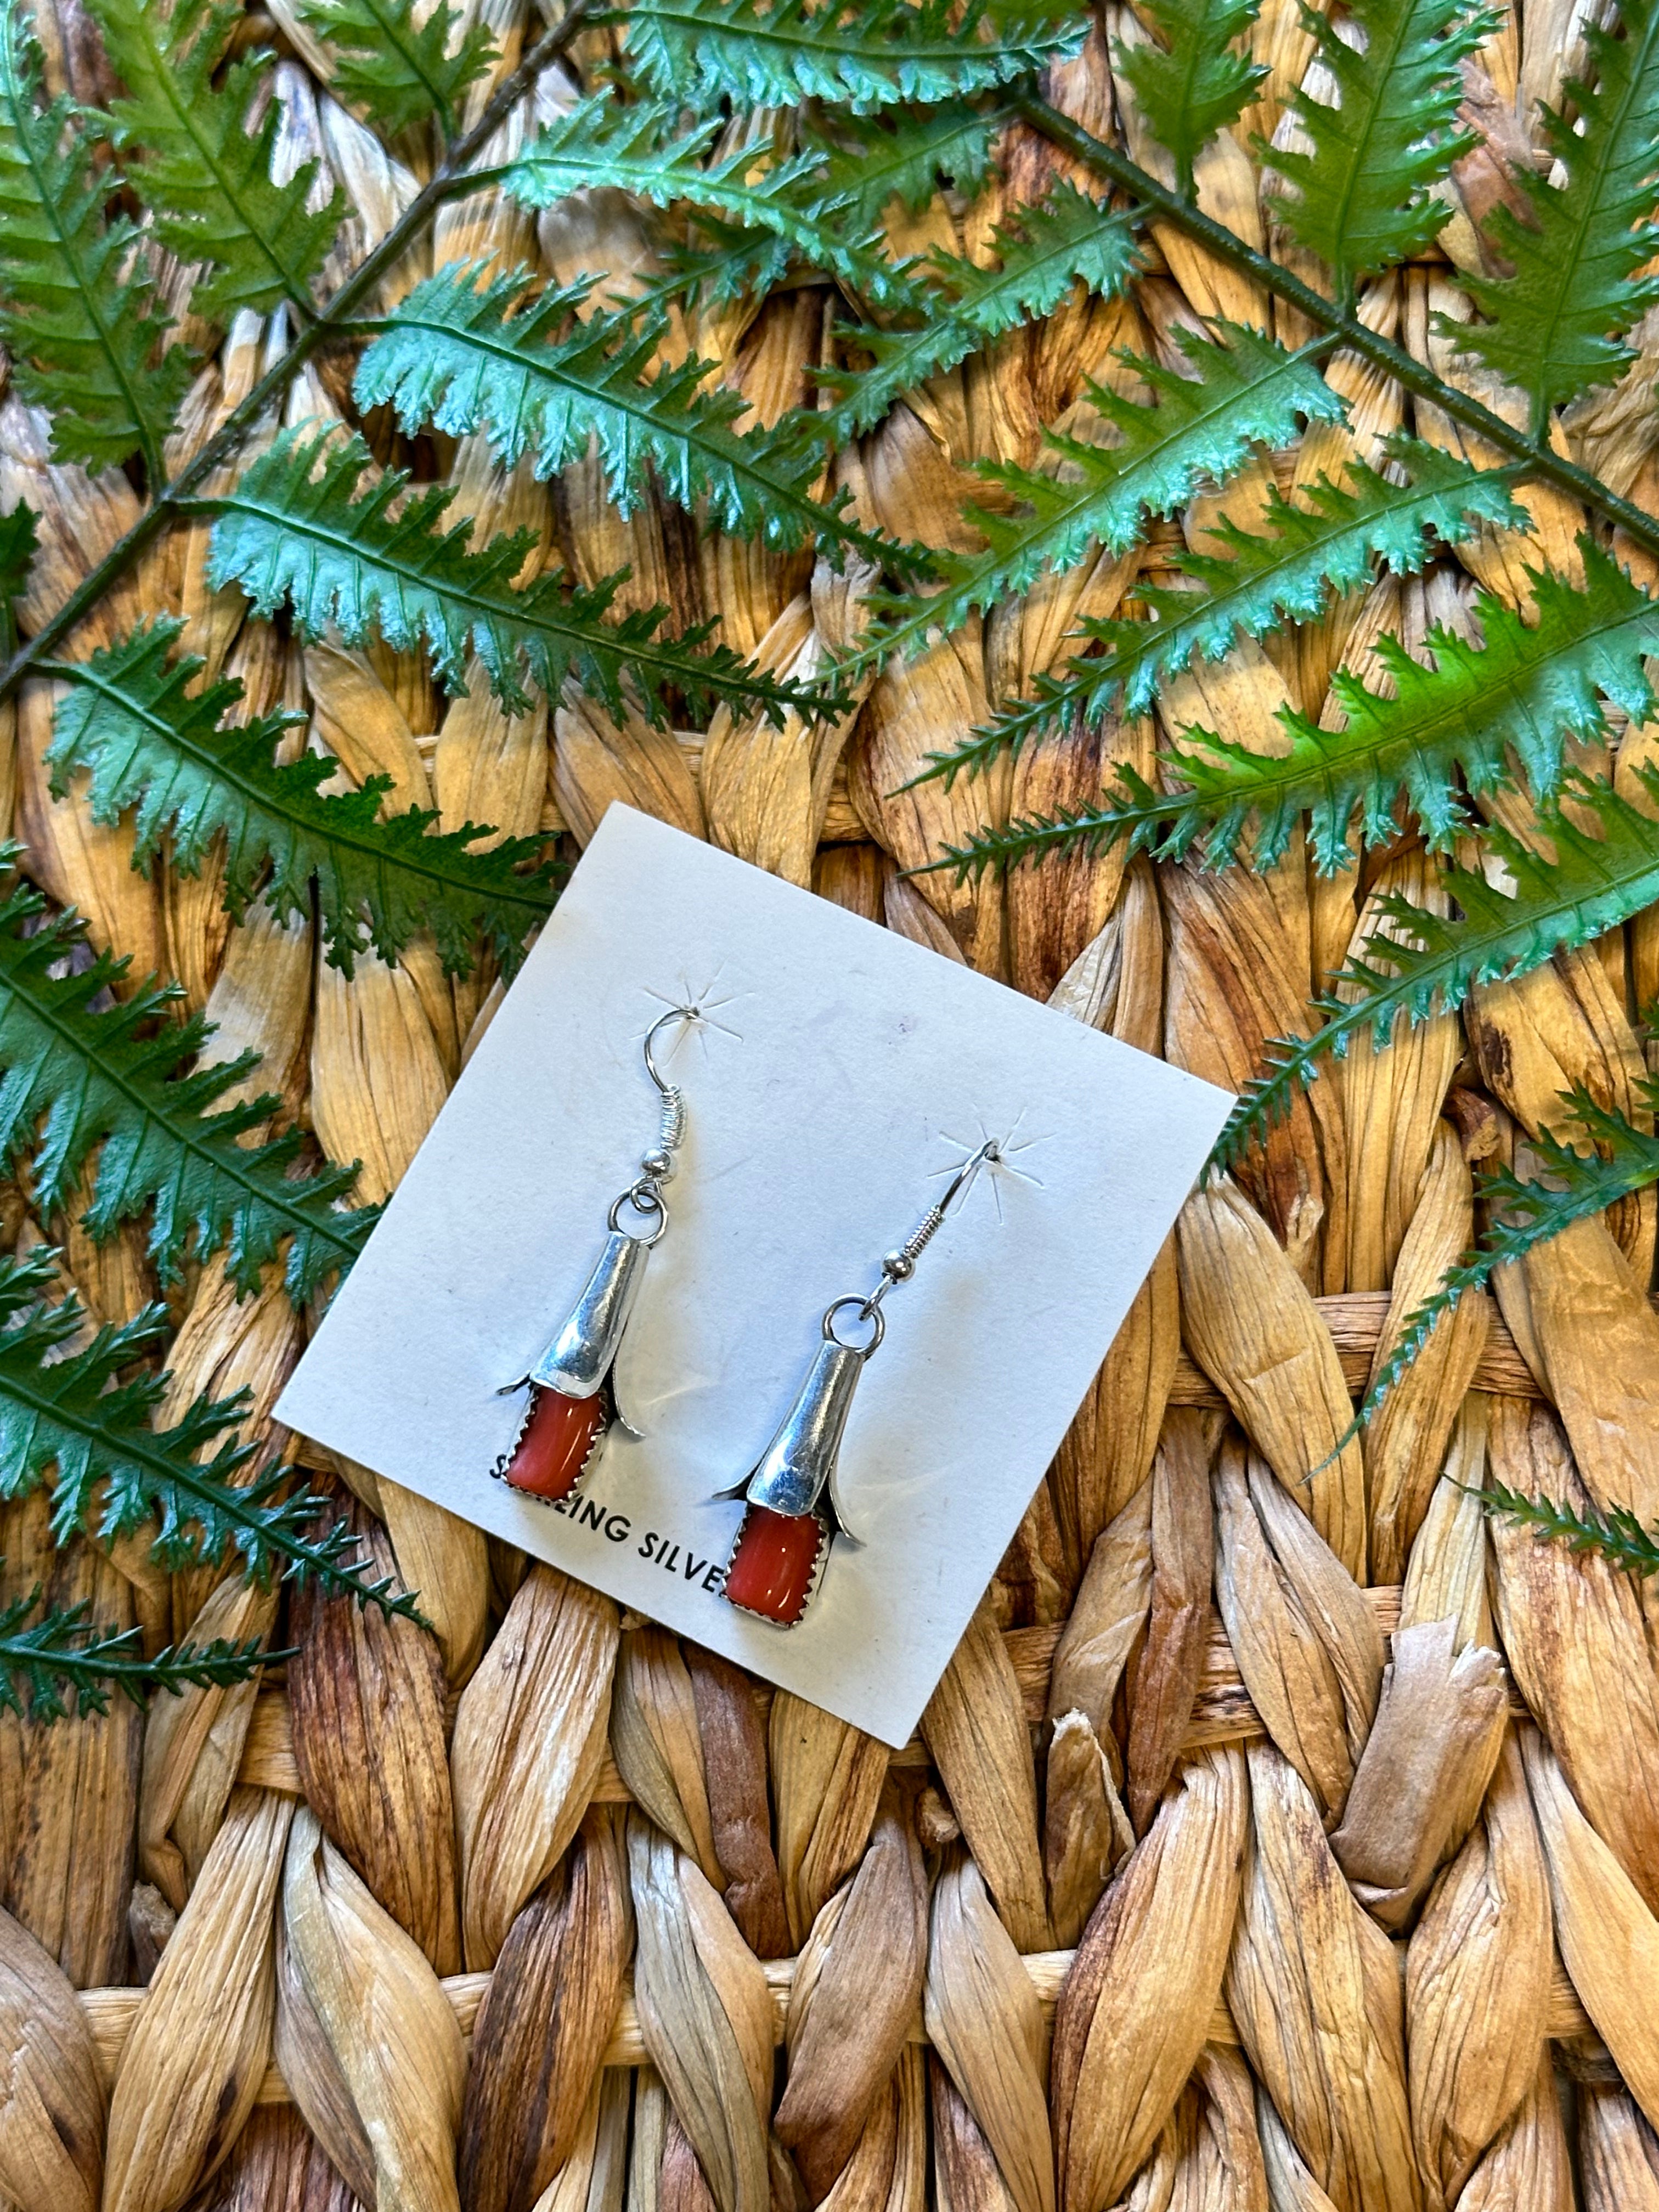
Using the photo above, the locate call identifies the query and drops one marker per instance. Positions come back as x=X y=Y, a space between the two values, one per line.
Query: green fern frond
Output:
x=79 y=314
x=153 y=742
x=1065 y=239
x=1335 y=541
x=1469 y=720
x=1556 y=327
x=1246 y=392
x=1198 y=80
x=295 y=530
x=600 y=144
x=1617 y=1535
x=1520 y=1215
x=867 y=55
x=903 y=155
x=202 y=166
x=467 y=352
x=113 y=1473
x=1362 y=198
x=76 y=1075
x=397 y=68
x=1596 y=883
x=65 y=1654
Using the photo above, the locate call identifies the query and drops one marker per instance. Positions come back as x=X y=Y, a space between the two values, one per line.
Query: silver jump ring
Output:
x=866 y=1312
x=645 y=1198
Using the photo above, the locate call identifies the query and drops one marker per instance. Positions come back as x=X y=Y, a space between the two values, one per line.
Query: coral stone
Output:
x=773 y=1563
x=555 y=1445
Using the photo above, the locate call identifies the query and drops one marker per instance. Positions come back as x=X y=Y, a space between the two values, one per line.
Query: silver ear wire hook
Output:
x=899 y=1267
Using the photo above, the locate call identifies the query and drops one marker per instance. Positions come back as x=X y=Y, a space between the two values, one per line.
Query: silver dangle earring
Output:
x=572 y=1396
x=794 y=1508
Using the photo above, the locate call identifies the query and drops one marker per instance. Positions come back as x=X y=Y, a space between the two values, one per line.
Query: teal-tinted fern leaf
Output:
x=1246 y=392
x=1064 y=239
x=78 y=304
x=1572 y=1185
x=1598 y=878
x=465 y=352
x=1335 y=539
x=395 y=67
x=903 y=155
x=640 y=149
x=1197 y=81
x=1362 y=192
x=296 y=532
x=201 y=165
x=155 y=743
x=113 y=1473
x=64 y=1653
x=1470 y=720
x=79 y=1077
x=1556 y=326
x=865 y=56
x=18 y=544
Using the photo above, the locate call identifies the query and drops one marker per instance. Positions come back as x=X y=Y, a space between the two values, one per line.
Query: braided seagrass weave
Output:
x=1284 y=1836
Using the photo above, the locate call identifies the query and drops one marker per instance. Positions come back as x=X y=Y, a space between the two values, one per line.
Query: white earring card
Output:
x=840 y=1077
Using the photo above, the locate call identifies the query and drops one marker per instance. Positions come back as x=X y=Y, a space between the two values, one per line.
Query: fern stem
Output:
x=170 y=503
x=1417 y=377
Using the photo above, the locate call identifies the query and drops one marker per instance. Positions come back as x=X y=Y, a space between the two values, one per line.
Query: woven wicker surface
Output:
x=1270 y=1842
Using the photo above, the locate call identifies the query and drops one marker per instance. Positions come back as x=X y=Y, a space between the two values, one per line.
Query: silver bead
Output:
x=898 y=1266
x=658 y=1165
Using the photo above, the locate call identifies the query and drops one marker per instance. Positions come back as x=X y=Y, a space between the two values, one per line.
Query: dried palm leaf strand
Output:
x=657 y=1746
x=1256 y=1333
x=530 y=1732
x=1135 y=2008
x=732 y=1726
x=392 y=2037
x=975 y=1732
x=1617 y=2152
x=1529 y=2163
x=857 y=1985
x=367 y=1699
x=197 y=2053
x=827 y=1779
x=51 y=2106
x=1477 y=1982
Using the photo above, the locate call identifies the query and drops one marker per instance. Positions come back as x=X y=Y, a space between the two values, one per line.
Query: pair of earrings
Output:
x=794 y=1506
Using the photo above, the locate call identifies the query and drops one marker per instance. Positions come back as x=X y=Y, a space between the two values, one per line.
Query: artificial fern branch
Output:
x=1539 y=459
x=1595 y=882
x=1617 y=1535
x=867 y=55
x=1332 y=540
x=64 y=1653
x=82 y=1078
x=113 y=1473
x=164 y=509
x=80 y=314
x=1464 y=723
x=155 y=741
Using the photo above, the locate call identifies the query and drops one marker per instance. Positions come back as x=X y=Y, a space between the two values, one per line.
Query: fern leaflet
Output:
x=75 y=1076
x=865 y=56
x=17 y=551
x=153 y=742
x=1596 y=883
x=903 y=155
x=80 y=315
x=397 y=69
x=1523 y=1214
x=1197 y=81
x=1065 y=239
x=1556 y=327
x=1364 y=198
x=377 y=562
x=202 y=166
x=465 y=352
x=1617 y=1535
x=1247 y=392
x=1332 y=542
x=114 y=1473
x=65 y=1653
x=600 y=144
x=1467 y=721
